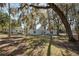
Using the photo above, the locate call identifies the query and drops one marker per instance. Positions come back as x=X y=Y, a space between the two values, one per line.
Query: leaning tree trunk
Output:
x=62 y=17
x=77 y=23
x=64 y=20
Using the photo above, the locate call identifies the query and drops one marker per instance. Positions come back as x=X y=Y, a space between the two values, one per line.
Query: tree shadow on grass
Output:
x=38 y=42
x=10 y=38
x=17 y=51
x=67 y=45
x=33 y=45
x=7 y=43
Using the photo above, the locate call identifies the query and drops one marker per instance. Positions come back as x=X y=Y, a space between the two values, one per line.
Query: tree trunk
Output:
x=9 y=21
x=2 y=28
x=64 y=20
x=49 y=46
x=77 y=32
x=50 y=41
x=57 y=27
x=77 y=23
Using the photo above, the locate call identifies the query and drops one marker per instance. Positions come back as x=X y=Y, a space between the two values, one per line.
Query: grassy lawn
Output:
x=37 y=46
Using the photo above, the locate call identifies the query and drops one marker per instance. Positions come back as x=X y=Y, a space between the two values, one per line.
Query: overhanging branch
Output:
x=38 y=7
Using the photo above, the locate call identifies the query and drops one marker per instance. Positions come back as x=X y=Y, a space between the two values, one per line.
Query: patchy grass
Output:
x=38 y=46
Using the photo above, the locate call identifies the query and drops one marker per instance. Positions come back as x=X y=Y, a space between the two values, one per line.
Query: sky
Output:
x=14 y=5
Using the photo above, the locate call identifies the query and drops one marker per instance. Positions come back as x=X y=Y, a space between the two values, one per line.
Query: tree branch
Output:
x=40 y=7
